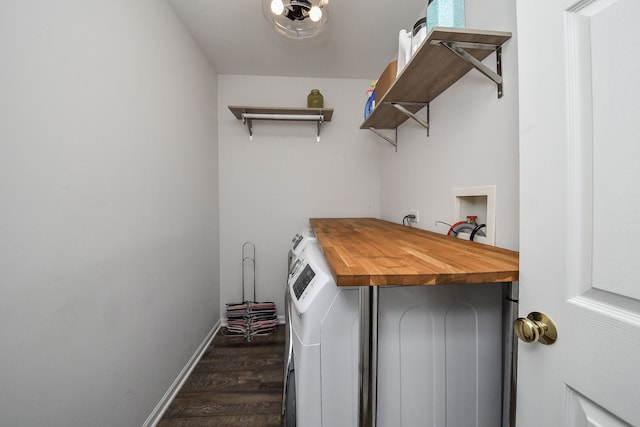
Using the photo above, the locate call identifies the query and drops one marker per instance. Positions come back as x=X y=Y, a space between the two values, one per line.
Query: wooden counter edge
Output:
x=478 y=277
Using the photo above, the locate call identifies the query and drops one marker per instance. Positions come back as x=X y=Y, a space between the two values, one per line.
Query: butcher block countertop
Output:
x=373 y=252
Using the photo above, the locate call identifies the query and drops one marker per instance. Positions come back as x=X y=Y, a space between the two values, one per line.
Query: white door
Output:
x=579 y=76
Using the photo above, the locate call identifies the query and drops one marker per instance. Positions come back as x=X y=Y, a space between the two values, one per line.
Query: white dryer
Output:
x=324 y=340
x=298 y=243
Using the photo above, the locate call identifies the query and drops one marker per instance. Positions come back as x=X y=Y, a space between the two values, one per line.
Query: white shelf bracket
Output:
x=393 y=141
x=458 y=48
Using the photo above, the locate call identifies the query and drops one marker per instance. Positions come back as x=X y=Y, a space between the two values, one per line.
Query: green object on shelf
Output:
x=315 y=99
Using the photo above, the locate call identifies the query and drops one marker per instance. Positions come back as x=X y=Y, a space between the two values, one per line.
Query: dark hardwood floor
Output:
x=235 y=383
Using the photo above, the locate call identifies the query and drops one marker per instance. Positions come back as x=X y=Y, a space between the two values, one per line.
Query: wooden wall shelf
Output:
x=444 y=57
x=248 y=114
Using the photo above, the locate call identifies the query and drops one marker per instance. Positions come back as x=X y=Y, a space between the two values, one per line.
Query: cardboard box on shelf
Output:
x=385 y=81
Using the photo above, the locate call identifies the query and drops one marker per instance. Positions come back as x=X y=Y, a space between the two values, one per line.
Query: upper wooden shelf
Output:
x=444 y=57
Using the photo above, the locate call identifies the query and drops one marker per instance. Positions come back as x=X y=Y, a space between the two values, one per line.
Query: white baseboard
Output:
x=156 y=415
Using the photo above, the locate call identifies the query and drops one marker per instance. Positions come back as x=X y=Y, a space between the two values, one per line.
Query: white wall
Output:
x=473 y=142
x=108 y=209
x=270 y=187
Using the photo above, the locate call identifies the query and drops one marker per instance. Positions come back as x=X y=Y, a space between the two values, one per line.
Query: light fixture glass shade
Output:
x=299 y=19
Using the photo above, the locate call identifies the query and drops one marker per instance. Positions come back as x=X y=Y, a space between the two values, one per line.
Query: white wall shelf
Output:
x=442 y=59
x=248 y=114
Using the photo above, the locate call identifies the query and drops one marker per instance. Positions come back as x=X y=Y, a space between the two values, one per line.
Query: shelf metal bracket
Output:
x=393 y=141
x=247 y=118
x=458 y=48
x=319 y=125
x=249 y=124
x=401 y=106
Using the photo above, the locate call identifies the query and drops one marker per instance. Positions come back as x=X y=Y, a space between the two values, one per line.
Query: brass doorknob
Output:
x=536 y=327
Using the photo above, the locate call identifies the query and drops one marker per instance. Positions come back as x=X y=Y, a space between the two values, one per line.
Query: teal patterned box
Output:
x=445 y=13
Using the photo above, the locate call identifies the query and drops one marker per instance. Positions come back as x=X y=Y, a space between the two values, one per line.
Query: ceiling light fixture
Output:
x=277 y=7
x=297 y=19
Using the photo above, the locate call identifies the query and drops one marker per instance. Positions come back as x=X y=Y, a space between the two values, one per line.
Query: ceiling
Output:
x=360 y=39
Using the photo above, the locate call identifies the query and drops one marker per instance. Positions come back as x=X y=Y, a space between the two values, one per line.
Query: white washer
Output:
x=300 y=240
x=324 y=338
x=440 y=355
